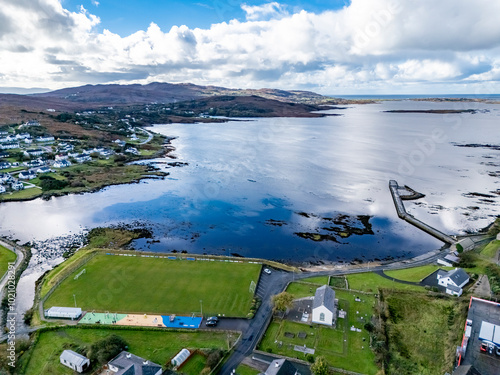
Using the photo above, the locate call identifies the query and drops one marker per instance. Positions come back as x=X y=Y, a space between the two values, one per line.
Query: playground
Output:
x=141 y=320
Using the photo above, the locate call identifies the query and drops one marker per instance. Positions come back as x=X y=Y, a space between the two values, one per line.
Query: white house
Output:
x=324 y=311
x=453 y=281
x=5 y=165
x=45 y=138
x=62 y=164
x=5 y=177
x=33 y=152
x=26 y=175
x=9 y=146
x=18 y=185
x=74 y=361
x=82 y=158
x=127 y=363
x=132 y=150
x=2 y=189
x=43 y=170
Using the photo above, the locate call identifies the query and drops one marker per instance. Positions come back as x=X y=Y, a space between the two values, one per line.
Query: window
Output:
x=322 y=317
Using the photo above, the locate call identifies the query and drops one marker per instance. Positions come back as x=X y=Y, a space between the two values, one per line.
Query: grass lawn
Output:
x=371 y=282
x=423 y=332
x=245 y=370
x=138 y=284
x=490 y=250
x=354 y=354
x=415 y=274
x=322 y=280
x=6 y=256
x=22 y=194
x=194 y=365
x=156 y=346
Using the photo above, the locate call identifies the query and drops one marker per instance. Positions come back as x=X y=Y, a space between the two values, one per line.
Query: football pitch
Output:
x=126 y=284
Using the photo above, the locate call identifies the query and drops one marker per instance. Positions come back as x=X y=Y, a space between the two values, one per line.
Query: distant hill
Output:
x=107 y=95
x=248 y=106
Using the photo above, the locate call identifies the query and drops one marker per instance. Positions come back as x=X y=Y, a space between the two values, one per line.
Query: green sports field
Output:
x=162 y=286
x=6 y=256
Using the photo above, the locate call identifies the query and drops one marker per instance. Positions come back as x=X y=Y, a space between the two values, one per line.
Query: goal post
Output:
x=252 y=287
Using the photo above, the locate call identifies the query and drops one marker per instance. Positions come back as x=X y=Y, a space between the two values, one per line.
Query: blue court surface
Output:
x=181 y=322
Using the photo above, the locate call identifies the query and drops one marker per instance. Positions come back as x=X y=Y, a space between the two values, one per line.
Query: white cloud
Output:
x=264 y=12
x=95 y=3
x=371 y=45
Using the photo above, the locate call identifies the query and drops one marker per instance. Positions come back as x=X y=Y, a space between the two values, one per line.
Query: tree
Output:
x=320 y=367
x=283 y=301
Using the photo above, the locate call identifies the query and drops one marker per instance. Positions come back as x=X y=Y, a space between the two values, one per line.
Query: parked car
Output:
x=210 y=323
x=213 y=319
x=267 y=270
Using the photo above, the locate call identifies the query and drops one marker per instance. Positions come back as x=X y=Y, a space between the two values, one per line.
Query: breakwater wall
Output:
x=400 y=208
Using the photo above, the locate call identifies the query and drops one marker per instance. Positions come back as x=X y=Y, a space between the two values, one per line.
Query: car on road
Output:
x=213 y=319
x=210 y=323
x=267 y=270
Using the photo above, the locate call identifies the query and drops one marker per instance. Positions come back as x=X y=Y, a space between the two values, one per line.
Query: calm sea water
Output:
x=249 y=184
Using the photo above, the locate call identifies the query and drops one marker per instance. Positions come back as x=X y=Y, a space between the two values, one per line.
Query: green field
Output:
x=194 y=365
x=423 y=332
x=371 y=282
x=354 y=354
x=157 y=346
x=135 y=284
x=490 y=250
x=245 y=370
x=415 y=274
x=6 y=256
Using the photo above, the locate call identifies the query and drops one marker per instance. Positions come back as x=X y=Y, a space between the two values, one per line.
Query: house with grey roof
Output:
x=127 y=363
x=324 y=311
x=453 y=280
x=74 y=361
x=281 y=367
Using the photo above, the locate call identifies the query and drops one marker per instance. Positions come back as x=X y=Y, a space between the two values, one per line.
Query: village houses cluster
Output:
x=24 y=157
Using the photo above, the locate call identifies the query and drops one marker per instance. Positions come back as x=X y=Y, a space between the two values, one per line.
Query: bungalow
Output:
x=2 y=189
x=17 y=185
x=4 y=155
x=32 y=123
x=9 y=146
x=132 y=150
x=74 y=361
x=5 y=177
x=106 y=153
x=33 y=152
x=27 y=175
x=43 y=170
x=62 y=163
x=28 y=141
x=2 y=133
x=449 y=260
x=324 y=311
x=5 y=165
x=453 y=281
x=45 y=138
x=33 y=163
x=127 y=363
x=23 y=136
x=82 y=158
x=119 y=142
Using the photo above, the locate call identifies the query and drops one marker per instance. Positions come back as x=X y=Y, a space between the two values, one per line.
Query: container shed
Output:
x=63 y=312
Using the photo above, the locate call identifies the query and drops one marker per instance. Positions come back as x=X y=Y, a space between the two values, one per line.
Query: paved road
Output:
x=150 y=136
x=275 y=283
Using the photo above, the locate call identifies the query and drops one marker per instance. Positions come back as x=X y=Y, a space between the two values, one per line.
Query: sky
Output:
x=337 y=47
